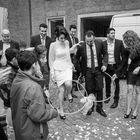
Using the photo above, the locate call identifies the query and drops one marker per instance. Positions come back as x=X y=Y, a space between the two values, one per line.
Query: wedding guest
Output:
x=115 y=66
x=6 y=43
x=30 y=113
x=42 y=38
x=92 y=56
x=5 y=87
x=132 y=43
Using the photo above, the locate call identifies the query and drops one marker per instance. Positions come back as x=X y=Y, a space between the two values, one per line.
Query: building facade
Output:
x=24 y=16
x=18 y=18
x=86 y=14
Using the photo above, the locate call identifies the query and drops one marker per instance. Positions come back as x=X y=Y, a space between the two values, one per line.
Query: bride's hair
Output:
x=61 y=30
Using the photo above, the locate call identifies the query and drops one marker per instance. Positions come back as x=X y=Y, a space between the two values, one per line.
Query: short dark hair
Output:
x=72 y=26
x=43 y=25
x=61 y=30
x=109 y=29
x=39 y=49
x=89 y=33
x=26 y=59
x=11 y=53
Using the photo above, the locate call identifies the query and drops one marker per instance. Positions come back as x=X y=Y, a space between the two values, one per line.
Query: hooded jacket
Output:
x=29 y=111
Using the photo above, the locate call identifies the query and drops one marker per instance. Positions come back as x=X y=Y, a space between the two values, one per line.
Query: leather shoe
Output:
x=90 y=110
x=106 y=101
x=114 y=105
x=70 y=100
x=62 y=117
x=101 y=112
x=65 y=99
x=126 y=116
x=133 y=117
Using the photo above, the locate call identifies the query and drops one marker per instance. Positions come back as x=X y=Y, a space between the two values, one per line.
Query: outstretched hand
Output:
x=73 y=68
x=114 y=77
x=103 y=68
x=136 y=70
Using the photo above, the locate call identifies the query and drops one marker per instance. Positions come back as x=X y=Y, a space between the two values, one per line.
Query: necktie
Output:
x=73 y=41
x=92 y=59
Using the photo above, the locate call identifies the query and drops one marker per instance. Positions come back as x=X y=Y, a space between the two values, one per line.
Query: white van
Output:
x=123 y=22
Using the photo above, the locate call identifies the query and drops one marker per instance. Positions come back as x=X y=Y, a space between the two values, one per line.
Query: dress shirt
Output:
x=89 y=55
x=111 y=46
x=43 y=40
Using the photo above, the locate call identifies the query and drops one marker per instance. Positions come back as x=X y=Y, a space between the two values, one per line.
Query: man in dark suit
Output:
x=72 y=41
x=45 y=40
x=93 y=57
x=6 y=43
x=42 y=38
x=115 y=67
x=72 y=35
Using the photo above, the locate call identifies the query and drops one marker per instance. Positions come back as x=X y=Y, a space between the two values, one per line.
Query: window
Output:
x=3 y=19
x=52 y=23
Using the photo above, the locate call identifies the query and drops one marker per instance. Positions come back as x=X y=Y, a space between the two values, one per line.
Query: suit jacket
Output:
x=119 y=57
x=73 y=59
x=70 y=42
x=13 y=44
x=101 y=51
x=36 y=40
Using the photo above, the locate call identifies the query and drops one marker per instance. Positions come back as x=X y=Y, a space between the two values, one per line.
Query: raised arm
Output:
x=68 y=52
x=73 y=49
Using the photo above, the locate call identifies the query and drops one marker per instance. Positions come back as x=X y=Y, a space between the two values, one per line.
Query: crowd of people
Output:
x=61 y=61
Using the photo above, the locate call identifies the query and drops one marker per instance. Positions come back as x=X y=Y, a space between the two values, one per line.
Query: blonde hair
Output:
x=132 y=41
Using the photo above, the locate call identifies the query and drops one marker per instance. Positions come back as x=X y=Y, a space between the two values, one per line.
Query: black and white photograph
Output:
x=69 y=69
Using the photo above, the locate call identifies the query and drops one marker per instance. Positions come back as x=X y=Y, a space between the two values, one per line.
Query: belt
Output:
x=96 y=68
x=111 y=65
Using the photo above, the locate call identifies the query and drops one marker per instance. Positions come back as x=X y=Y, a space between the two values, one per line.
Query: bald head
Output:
x=5 y=32
x=5 y=35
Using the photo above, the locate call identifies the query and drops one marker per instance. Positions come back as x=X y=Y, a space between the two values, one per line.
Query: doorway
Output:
x=97 y=24
x=52 y=23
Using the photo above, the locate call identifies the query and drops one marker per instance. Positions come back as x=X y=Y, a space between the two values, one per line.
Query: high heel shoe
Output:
x=62 y=117
x=133 y=117
x=126 y=116
x=70 y=100
x=64 y=98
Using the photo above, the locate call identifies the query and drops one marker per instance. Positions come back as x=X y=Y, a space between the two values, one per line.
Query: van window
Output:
x=124 y=23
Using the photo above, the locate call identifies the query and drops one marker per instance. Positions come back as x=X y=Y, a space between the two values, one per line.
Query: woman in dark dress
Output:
x=132 y=44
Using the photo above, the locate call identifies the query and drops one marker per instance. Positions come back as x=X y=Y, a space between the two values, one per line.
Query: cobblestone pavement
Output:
x=96 y=127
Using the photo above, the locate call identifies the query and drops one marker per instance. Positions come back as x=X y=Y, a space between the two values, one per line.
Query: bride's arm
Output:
x=51 y=57
x=73 y=49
